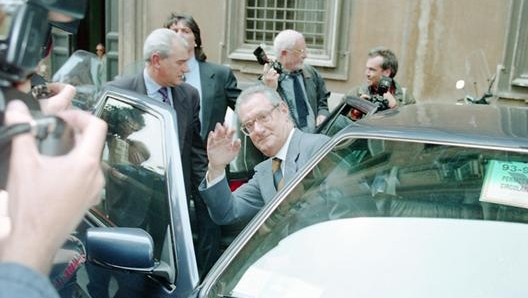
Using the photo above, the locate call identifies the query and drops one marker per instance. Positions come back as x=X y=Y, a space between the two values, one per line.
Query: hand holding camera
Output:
x=52 y=136
x=263 y=59
x=54 y=97
x=272 y=69
x=384 y=85
x=24 y=30
x=67 y=185
x=64 y=186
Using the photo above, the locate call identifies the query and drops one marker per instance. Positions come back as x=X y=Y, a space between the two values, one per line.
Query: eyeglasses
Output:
x=300 y=52
x=249 y=126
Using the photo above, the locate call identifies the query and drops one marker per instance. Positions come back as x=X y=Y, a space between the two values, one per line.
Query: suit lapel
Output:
x=208 y=89
x=291 y=166
x=292 y=156
x=179 y=105
x=139 y=84
x=309 y=86
x=267 y=187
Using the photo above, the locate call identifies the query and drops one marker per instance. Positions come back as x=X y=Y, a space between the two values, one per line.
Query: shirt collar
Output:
x=286 y=74
x=192 y=63
x=284 y=150
x=150 y=84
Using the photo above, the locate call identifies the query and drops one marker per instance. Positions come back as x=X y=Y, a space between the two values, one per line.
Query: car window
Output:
x=384 y=178
x=135 y=194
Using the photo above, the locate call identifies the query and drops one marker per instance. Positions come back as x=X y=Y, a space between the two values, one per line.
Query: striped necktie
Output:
x=164 y=94
x=278 y=180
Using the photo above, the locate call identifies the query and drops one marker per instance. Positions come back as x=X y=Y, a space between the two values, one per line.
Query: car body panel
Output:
x=422 y=136
x=479 y=124
x=393 y=257
x=160 y=135
x=373 y=170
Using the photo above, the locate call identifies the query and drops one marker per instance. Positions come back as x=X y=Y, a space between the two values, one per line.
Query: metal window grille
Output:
x=266 y=18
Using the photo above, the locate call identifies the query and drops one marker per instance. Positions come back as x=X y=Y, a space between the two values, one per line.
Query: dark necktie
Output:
x=278 y=180
x=164 y=94
x=300 y=102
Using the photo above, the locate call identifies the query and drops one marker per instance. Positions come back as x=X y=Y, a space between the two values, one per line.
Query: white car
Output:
x=429 y=200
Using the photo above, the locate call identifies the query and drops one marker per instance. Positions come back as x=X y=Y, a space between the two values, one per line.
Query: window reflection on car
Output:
x=135 y=194
x=384 y=178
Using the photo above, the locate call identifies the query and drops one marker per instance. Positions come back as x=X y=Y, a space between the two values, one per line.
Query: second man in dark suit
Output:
x=218 y=90
x=216 y=83
x=166 y=55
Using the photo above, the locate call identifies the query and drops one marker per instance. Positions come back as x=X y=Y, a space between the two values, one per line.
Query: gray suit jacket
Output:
x=186 y=103
x=219 y=91
x=226 y=207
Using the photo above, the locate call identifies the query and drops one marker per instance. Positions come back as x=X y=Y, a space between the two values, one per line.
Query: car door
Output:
x=144 y=189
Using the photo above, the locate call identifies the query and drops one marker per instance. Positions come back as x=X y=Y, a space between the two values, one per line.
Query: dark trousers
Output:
x=208 y=237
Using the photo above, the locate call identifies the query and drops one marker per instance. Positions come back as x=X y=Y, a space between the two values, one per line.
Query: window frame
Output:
x=153 y=123
x=331 y=61
x=179 y=255
x=512 y=75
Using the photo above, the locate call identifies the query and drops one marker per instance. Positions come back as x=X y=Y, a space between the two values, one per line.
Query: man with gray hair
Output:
x=166 y=54
x=300 y=85
x=265 y=118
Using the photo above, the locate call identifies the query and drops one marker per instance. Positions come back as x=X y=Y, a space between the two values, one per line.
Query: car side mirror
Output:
x=124 y=248
x=130 y=249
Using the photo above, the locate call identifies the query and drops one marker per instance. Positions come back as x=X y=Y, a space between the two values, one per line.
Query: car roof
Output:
x=486 y=125
x=394 y=257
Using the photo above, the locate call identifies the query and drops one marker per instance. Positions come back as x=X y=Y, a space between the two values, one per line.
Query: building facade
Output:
x=437 y=42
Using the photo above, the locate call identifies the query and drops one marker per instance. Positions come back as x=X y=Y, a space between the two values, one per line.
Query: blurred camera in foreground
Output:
x=24 y=30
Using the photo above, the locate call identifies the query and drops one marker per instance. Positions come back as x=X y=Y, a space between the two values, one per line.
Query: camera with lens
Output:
x=24 y=30
x=24 y=33
x=384 y=85
x=262 y=59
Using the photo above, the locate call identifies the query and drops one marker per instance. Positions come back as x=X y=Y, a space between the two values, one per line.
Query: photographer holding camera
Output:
x=300 y=85
x=67 y=185
x=381 y=88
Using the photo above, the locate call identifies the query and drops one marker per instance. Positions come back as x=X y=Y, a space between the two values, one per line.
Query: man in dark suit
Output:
x=166 y=54
x=265 y=118
x=218 y=90
x=216 y=83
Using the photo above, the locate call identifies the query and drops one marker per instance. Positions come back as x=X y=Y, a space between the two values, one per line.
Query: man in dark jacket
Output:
x=300 y=85
x=166 y=55
x=218 y=90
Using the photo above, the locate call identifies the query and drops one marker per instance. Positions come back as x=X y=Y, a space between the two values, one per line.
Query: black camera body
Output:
x=21 y=40
x=24 y=32
x=52 y=135
x=384 y=85
x=262 y=59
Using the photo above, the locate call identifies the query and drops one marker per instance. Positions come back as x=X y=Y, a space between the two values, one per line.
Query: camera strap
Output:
x=11 y=93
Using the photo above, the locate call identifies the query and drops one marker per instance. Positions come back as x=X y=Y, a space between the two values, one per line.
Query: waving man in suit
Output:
x=265 y=118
